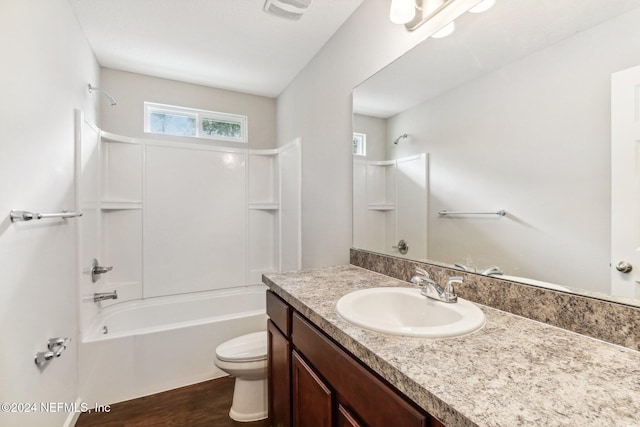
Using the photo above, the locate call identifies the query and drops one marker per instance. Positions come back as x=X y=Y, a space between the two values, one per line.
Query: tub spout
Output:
x=104 y=296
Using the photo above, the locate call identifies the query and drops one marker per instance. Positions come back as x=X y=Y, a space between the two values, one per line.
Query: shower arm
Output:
x=403 y=136
x=112 y=101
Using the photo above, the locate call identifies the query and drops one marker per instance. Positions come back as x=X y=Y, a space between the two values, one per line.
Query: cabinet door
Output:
x=368 y=397
x=312 y=399
x=346 y=418
x=279 y=368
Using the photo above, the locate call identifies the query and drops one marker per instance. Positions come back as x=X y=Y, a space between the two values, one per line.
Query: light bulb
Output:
x=402 y=11
x=482 y=6
x=445 y=31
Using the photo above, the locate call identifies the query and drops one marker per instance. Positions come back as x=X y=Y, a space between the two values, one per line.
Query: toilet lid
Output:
x=244 y=348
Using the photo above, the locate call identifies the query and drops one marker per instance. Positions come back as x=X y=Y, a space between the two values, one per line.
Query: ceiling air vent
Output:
x=290 y=9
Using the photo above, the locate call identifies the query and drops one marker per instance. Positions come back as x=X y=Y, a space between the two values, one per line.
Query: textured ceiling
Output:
x=229 y=44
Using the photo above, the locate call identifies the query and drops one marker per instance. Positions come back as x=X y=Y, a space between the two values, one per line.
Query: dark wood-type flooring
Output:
x=205 y=404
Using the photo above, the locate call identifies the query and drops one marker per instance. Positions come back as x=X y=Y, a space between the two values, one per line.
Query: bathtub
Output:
x=142 y=347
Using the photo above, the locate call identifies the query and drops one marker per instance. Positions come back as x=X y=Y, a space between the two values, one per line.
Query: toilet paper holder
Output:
x=55 y=347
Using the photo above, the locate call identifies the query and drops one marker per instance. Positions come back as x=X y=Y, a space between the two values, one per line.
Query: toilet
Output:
x=245 y=358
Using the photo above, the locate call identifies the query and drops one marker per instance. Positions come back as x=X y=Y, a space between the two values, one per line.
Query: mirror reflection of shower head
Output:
x=106 y=95
x=403 y=136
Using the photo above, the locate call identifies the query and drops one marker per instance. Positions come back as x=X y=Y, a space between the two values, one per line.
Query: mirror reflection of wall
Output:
x=532 y=138
x=376 y=131
x=389 y=196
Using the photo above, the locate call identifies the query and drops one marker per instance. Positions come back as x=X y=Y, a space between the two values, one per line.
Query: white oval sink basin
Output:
x=404 y=311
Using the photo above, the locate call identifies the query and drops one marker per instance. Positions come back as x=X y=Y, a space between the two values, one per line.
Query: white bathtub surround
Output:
x=188 y=228
x=185 y=216
x=162 y=343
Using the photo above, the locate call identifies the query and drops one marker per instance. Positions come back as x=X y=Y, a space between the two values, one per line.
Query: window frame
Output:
x=362 y=144
x=200 y=115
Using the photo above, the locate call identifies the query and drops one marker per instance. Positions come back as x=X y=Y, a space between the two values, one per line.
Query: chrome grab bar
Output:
x=445 y=213
x=28 y=216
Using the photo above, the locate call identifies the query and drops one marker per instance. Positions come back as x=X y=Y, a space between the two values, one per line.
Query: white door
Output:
x=625 y=183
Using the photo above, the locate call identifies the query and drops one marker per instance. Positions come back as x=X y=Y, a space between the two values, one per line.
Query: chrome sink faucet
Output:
x=433 y=290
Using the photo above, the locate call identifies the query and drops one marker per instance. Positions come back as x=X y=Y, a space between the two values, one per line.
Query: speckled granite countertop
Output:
x=512 y=372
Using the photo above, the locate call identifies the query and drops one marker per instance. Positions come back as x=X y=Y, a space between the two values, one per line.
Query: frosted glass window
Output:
x=172 y=124
x=359 y=146
x=172 y=120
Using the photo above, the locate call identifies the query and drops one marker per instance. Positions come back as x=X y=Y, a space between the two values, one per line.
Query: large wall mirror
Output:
x=512 y=113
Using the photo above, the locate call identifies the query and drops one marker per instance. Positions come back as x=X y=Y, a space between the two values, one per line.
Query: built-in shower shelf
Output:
x=112 y=137
x=381 y=206
x=120 y=205
x=264 y=206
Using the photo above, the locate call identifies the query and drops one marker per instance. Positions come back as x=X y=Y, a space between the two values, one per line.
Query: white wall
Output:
x=532 y=138
x=46 y=66
x=317 y=107
x=132 y=90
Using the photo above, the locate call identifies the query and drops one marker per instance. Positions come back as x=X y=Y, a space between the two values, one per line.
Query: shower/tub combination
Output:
x=188 y=228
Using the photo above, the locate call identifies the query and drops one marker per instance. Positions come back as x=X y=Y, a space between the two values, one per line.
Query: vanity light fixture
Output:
x=290 y=9
x=402 y=11
x=440 y=13
x=483 y=6
x=447 y=30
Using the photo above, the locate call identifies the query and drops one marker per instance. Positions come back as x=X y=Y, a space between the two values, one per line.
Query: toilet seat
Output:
x=246 y=348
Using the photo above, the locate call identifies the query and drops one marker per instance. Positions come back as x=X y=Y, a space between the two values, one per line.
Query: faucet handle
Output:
x=417 y=280
x=422 y=271
x=449 y=290
x=448 y=287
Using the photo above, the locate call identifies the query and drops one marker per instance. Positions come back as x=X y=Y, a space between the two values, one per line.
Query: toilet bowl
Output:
x=245 y=358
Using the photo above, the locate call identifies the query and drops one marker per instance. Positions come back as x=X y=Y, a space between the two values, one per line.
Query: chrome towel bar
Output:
x=28 y=216
x=445 y=213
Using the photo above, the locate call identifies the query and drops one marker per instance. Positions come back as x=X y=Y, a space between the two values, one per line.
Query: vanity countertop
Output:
x=512 y=372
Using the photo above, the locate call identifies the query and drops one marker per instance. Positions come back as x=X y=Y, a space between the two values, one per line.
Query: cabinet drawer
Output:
x=279 y=312
x=375 y=403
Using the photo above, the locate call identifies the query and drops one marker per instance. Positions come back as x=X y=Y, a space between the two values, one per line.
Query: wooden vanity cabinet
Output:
x=327 y=386
x=279 y=361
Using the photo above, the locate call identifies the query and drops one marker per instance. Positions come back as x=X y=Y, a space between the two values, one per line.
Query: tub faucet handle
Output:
x=97 y=269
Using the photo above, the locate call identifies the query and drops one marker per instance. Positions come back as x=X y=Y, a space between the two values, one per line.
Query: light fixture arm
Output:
x=440 y=16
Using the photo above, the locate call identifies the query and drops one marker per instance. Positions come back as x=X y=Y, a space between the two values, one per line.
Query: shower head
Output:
x=106 y=95
x=403 y=136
